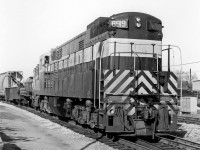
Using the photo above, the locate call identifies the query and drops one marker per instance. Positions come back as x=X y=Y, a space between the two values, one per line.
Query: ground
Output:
x=193 y=132
x=20 y=129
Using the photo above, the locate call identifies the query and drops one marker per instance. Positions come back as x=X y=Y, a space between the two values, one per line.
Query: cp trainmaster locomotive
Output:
x=110 y=77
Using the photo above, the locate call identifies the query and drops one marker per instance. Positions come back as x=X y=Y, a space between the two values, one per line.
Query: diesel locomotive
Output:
x=110 y=77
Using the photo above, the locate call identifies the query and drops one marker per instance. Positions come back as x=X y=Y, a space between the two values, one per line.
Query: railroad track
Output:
x=189 y=119
x=178 y=143
x=168 y=142
x=140 y=144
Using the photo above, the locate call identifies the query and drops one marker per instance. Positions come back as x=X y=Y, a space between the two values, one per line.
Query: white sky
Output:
x=29 y=28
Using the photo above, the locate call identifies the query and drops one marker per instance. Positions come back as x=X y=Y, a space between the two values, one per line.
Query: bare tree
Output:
x=186 y=79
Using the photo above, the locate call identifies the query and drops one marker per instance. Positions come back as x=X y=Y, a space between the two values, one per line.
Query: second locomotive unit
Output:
x=110 y=77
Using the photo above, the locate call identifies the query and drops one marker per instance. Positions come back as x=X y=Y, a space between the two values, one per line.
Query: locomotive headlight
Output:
x=138 y=19
x=138 y=23
x=112 y=111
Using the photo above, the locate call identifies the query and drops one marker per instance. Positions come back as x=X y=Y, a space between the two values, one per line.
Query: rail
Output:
x=133 y=145
x=129 y=143
x=189 y=119
x=178 y=142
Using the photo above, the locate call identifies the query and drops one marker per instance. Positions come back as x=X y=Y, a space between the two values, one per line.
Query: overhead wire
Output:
x=185 y=64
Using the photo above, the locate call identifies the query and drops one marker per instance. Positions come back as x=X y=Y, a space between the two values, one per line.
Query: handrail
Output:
x=181 y=66
x=101 y=54
x=95 y=78
x=129 y=52
x=114 y=69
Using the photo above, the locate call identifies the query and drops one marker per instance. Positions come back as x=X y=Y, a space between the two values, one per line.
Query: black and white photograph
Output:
x=99 y=75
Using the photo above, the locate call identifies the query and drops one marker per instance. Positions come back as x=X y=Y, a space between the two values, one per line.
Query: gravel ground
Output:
x=20 y=129
x=193 y=132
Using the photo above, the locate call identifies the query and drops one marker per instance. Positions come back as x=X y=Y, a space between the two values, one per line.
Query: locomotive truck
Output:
x=110 y=77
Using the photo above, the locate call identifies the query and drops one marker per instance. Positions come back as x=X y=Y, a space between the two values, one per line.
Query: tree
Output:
x=186 y=79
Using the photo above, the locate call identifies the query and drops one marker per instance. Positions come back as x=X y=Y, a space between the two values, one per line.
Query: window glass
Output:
x=87 y=54
x=52 y=67
x=65 y=63
x=49 y=68
x=56 y=66
x=71 y=60
x=79 y=56
x=40 y=64
x=61 y=64
x=46 y=69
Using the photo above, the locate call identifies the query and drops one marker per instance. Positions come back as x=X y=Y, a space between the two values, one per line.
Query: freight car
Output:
x=21 y=94
x=8 y=80
x=25 y=92
x=110 y=77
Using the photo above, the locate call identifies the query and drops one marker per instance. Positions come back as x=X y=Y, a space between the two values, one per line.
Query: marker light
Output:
x=138 y=19
x=138 y=23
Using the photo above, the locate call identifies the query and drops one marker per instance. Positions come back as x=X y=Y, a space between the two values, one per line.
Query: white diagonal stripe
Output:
x=149 y=86
x=142 y=91
x=151 y=77
x=173 y=81
x=115 y=83
x=125 y=84
x=105 y=71
x=171 y=89
x=109 y=78
x=129 y=90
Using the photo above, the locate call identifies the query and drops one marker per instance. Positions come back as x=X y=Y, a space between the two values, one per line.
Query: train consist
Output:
x=110 y=78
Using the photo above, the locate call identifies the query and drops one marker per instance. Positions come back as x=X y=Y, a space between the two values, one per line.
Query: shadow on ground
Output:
x=97 y=139
x=10 y=142
x=8 y=145
x=181 y=133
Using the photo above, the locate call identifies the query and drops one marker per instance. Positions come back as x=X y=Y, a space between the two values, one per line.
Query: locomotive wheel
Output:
x=111 y=136
x=100 y=134
x=96 y=130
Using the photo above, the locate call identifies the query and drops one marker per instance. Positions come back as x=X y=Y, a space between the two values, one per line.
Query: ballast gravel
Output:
x=192 y=132
x=31 y=132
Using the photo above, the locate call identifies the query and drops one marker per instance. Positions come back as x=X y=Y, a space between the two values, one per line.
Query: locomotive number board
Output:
x=119 y=23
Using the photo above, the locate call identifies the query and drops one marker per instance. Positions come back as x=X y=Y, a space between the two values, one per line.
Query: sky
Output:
x=29 y=28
